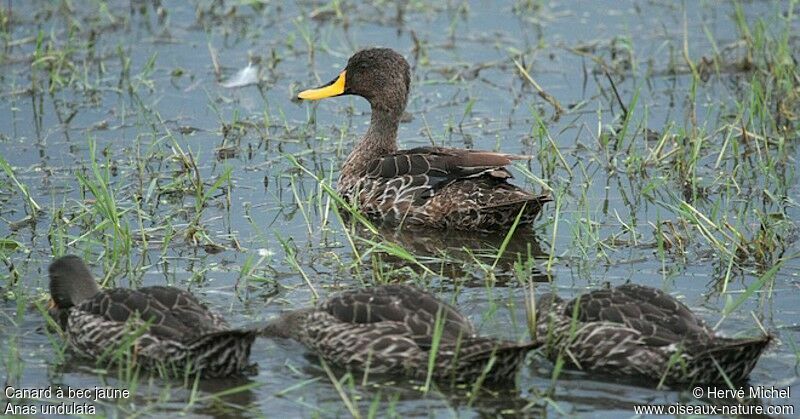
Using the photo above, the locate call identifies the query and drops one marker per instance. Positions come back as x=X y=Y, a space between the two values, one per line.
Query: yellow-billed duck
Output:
x=641 y=333
x=429 y=186
x=164 y=326
x=390 y=329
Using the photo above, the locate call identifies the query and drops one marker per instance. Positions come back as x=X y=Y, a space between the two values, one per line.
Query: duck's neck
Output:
x=379 y=141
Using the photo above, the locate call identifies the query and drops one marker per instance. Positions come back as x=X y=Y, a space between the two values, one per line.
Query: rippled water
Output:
x=141 y=83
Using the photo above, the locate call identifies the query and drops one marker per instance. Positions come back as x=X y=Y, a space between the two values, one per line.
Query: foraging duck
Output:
x=390 y=329
x=642 y=333
x=430 y=186
x=164 y=325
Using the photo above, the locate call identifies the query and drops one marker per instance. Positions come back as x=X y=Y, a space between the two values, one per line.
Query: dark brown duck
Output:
x=164 y=326
x=642 y=333
x=390 y=330
x=429 y=186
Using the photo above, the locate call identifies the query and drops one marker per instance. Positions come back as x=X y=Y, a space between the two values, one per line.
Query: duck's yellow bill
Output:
x=51 y=304
x=334 y=88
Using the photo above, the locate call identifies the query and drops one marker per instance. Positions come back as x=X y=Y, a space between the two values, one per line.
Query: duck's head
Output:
x=70 y=282
x=380 y=75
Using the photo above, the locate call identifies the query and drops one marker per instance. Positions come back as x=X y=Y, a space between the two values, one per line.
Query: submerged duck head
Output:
x=380 y=75
x=70 y=282
x=288 y=325
x=548 y=301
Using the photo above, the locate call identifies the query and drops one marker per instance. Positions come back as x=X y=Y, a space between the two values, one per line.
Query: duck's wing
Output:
x=680 y=318
x=442 y=165
x=381 y=347
x=119 y=305
x=416 y=309
x=660 y=318
x=186 y=307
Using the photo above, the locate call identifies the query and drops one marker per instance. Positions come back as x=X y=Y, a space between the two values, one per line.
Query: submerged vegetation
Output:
x=665 y=133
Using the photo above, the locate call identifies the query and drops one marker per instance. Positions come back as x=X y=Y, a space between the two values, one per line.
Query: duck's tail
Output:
x=491 y=360
x=504 y=204
x=736 y=358
x=221 y=354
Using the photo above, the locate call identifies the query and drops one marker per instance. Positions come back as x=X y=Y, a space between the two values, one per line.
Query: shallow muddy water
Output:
x=673 y=164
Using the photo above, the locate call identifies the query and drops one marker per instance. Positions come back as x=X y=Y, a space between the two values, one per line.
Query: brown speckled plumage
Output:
x=642 y=333
x=389 y=329
x=166 y=326
x=429 y=186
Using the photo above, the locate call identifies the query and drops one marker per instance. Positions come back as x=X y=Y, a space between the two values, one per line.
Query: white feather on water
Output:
x=245 y=77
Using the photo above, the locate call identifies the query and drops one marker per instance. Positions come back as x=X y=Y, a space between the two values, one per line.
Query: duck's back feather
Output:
x=414 y=308
x=440 y=163
x=172 y=313
x=660 y=318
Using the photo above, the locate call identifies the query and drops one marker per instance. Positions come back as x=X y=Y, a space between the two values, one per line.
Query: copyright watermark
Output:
x=752 y=392
x=734 y=409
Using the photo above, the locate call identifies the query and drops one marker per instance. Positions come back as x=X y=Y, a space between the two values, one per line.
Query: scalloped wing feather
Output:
x=398 y=303
x=662 y=320
x=178 y=322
